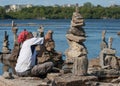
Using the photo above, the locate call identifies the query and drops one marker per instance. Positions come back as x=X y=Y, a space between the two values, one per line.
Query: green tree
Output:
x=88 y=10
x=2 y=13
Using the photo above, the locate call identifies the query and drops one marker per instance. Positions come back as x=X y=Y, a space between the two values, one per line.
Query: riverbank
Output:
x=93 y=78
x=58 y=80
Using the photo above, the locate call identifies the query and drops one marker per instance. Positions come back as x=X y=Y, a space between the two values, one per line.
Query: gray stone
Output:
x=76 y=50
x=7 y=75
x=108 y=59
x=80 y=65
x=5 y=48
x=1 y=57
x=48 y=52
x=77 y=24
x=103 y=43
x=52 y=76
x=35 y=34
x=116 y=80
x=93 y=83
x=75 y=38
x=109 y=51
x=41 y=31
x=106 y=74
x=76 y=31
x=72 y=80
x=15 y=30
x=6 y=56
x=23 y=81
x=110 y=42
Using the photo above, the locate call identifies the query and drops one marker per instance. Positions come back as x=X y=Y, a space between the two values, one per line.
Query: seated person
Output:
x=26 y=62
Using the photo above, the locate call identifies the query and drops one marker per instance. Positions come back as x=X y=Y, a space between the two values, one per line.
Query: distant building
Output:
x=29 y=5
x=16 y=7
x=69 y=5
x=114 y=5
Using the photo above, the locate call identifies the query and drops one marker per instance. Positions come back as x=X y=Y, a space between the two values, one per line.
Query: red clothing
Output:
x=22 y=36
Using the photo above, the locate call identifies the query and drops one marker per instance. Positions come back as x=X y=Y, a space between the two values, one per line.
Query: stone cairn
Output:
x=55 y=56
x=16 y=46
x=76 y=54
x=107 y=57
x=103 y=43
x=41 y=31
x=14 y=30
x=48 y=52
x=5 y=49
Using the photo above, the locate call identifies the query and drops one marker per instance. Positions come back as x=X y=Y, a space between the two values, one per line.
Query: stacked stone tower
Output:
x=108 y=59
x=14 y=30
x=76 y=54
x=48 y=52
x=16 y=46
x=103 y=43
x=41 y=31
x=5 y=48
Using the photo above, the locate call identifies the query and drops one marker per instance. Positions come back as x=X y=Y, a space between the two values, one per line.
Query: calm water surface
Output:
x=93 y=29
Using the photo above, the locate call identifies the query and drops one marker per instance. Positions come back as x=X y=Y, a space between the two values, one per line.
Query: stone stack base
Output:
x=51 y=80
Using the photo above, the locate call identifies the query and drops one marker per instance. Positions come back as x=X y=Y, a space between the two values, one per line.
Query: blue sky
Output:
x=60 y=2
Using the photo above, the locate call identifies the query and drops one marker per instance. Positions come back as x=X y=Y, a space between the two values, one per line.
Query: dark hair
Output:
x=29 y=35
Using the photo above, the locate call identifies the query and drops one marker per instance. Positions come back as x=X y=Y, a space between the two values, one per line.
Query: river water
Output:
x=93 y=29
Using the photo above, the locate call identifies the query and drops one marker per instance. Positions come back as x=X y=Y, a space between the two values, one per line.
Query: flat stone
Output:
x=75 y=38
x=77 y=20
x=77 y=31
x=22 y=81
x=109 y=51
x=72 y=80
x=5 y=50
x=80 y=65
x=106 y=73
x=51 y=76
x=116 y=80
x=78 y=15
x=6 y=56
x=7 y=75
x=76 y=50
x=93 y=83
x=77 y=24
x=57 y=80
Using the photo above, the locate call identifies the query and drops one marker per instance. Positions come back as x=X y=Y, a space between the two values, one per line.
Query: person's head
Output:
x=29 y=35
x=22 y=36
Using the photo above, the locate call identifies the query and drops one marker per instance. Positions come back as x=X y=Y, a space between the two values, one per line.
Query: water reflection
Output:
x=8 y=66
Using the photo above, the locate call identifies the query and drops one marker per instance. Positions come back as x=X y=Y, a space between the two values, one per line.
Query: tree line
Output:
x=88 y=11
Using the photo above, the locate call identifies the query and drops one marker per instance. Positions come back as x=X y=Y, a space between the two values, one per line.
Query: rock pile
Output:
x=107 y=56
x=5 y=49
x=48 y=52
x=16 y=46
x=77 y=53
